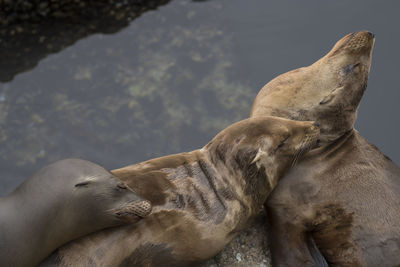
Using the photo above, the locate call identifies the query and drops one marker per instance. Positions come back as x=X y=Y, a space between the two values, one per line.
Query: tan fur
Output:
x=322 y=91
x=344 y=195
x=201 y=199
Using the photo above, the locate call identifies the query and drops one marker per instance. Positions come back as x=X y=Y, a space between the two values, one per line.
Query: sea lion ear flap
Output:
x=262 y=152
x=331 y=95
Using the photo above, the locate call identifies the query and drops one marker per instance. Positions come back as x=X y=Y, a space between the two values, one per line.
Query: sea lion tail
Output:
x=316 y=254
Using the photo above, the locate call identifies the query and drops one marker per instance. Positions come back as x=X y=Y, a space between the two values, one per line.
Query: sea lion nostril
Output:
x=316 y=124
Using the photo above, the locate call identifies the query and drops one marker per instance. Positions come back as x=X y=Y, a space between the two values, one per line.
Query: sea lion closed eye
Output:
x=61 y=202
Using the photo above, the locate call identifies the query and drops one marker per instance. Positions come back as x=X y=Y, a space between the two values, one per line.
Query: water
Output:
x=170 y=79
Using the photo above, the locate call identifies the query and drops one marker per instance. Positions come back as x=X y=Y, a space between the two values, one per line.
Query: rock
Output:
x=249 y=249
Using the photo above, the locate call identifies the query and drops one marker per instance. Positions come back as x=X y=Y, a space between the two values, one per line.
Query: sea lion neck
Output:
x=30 y=211
x=330 y=147
x=23 y=215
x=239 y=169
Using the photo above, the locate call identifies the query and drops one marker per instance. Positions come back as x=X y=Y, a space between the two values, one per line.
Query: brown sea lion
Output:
x=201 y=199
x=342 y=199
x=63 y=201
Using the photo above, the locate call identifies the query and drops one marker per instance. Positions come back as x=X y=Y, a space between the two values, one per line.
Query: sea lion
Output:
x=343 y=198
x=63 y=201
x=201 y=199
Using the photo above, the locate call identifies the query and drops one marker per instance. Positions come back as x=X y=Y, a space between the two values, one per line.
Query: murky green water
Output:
x=170 y=79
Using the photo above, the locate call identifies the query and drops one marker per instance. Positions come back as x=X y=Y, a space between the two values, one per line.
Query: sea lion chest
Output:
x=348 y=197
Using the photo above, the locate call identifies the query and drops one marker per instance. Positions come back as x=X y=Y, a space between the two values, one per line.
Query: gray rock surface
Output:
x=249 y=249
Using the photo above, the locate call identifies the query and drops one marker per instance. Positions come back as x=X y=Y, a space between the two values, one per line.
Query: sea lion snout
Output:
x=121 y=185
x=353 y=43
x=309 y=140
x=359 y=40
x=129 y=207
x=371 y=33
x=134 y=211
x=306 y=128
x=314 y=134
x=313 y=129
x=311 y=135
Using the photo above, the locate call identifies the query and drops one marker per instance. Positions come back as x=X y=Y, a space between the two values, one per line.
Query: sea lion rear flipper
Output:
x=316 y=254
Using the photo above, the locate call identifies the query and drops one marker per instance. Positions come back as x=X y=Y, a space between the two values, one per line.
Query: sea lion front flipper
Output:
x=288 y=240
x=316 y=254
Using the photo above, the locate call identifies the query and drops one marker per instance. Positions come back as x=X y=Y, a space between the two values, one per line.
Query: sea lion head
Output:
x=103 y=197
x=261 y=149
x=328 y=92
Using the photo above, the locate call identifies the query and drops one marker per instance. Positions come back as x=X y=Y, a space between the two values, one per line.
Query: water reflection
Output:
x=30 y=31
x=152 y=89
x=172 y=78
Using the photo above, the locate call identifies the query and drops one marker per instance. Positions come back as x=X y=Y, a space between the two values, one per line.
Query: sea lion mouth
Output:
x=127 y=216
x=134 y=211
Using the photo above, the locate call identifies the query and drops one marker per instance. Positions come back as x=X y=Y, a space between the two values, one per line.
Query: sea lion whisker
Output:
x=304 y=147
x=297 y=155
